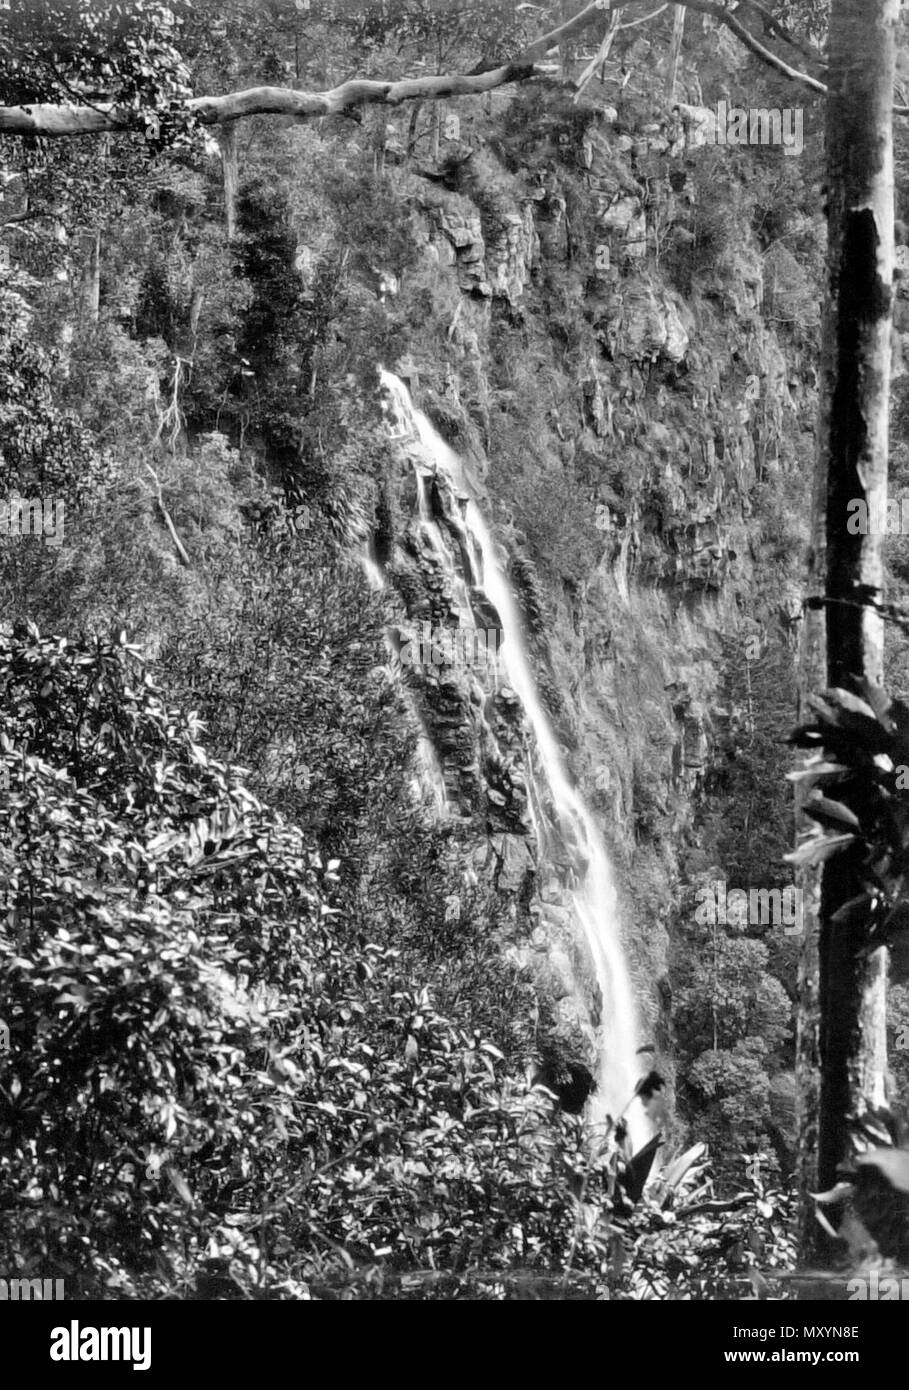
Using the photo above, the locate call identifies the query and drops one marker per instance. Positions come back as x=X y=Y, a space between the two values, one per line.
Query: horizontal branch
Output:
x=258 y=101
x=55 y=120
x=52 y=120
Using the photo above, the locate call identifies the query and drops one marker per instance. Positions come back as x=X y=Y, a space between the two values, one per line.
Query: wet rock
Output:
x=485 y=611
x=554 y=976
x=571 y=1081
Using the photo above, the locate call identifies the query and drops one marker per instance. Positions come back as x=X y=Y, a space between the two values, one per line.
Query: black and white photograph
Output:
x=454 y=672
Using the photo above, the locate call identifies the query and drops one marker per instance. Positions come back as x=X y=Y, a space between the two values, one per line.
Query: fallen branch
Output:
x=162 y=506
x=742 y=1200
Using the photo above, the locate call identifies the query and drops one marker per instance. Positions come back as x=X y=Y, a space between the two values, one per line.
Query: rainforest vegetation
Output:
x=294 y=1000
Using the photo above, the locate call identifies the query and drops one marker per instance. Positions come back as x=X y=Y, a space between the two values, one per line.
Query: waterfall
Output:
x=561 y=818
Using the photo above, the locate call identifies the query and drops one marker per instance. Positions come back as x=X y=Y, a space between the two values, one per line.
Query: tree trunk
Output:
x=413 y=125
x=601 y=56
x=675 y=50
x=437 y=133
x=91 y=274
x=227 y=141
x=855 y=386
x=812 y=678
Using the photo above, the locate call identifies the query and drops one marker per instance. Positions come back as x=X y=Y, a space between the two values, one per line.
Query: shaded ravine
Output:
x=566 y=833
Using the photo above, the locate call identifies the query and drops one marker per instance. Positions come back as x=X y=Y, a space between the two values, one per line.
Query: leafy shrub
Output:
x=216 y=1083
x=43 y=450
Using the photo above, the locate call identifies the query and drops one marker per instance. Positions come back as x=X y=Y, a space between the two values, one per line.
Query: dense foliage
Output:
x=215 y=1084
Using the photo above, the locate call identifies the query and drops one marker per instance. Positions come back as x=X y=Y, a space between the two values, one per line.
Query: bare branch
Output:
x=162 y=507
x=742 y=1200
x=52 y=120
x=645 y=18
x=775 y=26
x=600 y=56
x=719 y=11
x=358 y=92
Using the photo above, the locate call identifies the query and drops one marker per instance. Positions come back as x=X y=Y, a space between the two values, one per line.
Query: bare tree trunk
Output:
x=437 y=132
x=227 y=141
x=601 y=56
x=855 y=386
x=675 y=50
x=91 y=274
x=379 y=139
x=812 y=678
x=412 y=131
x=566 y=47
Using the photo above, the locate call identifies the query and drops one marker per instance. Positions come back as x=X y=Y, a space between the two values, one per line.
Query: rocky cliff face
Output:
x=481 y=766
x=624 y=371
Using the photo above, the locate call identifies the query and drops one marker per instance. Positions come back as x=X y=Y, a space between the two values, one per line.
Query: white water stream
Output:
x=561 y=815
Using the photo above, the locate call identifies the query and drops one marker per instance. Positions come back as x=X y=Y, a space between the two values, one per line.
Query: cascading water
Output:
x=561 y=819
